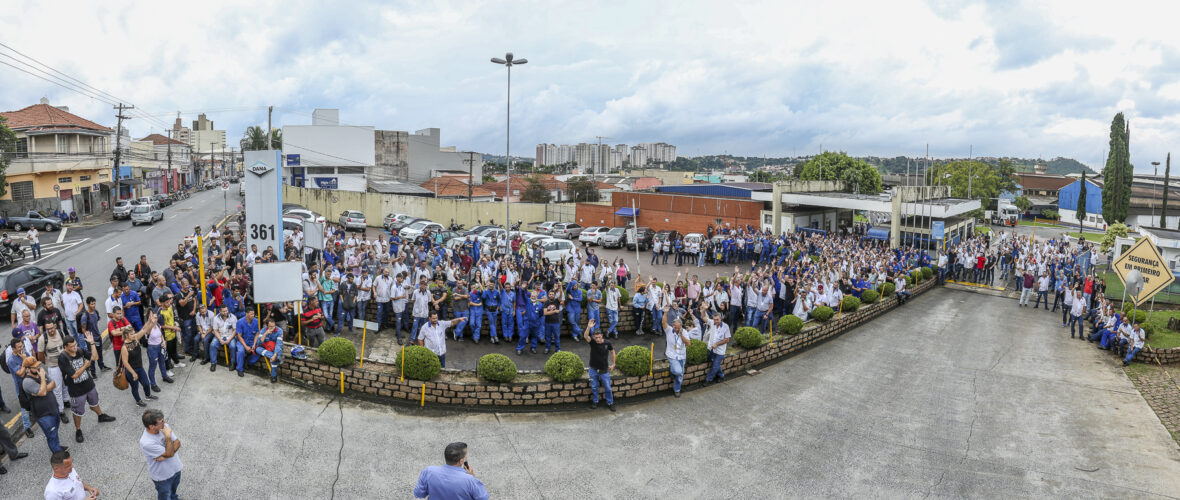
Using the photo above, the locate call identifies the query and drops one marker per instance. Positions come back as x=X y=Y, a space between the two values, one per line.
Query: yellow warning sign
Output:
x=1145 y=258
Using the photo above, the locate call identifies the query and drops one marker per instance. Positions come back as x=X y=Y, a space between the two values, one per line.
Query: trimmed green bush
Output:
x=338 y=352
x=917 y=277
x=888 y=289
x=790 y=325
x=850 y=304
x=795 y=256
x=822 y=313
x=748 y=337
x=634 y=360
x=698 y=352
x=564 y=366
x=1148 y=329
x=496 y=368
x=420 y=364
x=927 y=273
x=814 y=258
x=869 y=296
x=624 y=296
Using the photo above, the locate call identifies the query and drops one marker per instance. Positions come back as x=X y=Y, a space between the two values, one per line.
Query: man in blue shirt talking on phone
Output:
x=455 y=480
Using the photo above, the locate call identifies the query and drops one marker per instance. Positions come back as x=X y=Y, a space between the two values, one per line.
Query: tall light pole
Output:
x=508 y=61
x=1155 y=178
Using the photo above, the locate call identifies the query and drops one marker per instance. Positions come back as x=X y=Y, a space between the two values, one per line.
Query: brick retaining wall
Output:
x=379 y=380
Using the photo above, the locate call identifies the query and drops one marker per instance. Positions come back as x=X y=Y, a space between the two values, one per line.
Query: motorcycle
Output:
x=11 y=248
x=516 y=227
x=455 y=227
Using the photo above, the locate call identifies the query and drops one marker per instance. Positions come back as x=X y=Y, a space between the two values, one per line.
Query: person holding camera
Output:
x=456 y=479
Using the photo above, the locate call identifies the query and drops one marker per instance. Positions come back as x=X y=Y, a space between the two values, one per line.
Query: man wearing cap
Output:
x=42 y=404
x=22 y=303
x=74 y=364
x=71 y=305
x=88 y=326
x=14 y=357
x=74 y=280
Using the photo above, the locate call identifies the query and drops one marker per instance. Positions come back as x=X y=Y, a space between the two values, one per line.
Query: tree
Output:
x=255 y=139
x=983 y=181
x=1118 y=173
x=581 y=189
x=535 y=192
x=1116 y=230
x=7 y=148
x=1022 y=202
x=857 y=175
x=1081 y=213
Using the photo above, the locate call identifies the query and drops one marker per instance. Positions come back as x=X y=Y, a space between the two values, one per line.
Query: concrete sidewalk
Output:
x=959 y=395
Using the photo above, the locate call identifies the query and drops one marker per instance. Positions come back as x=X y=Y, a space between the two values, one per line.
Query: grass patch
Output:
x=982 y=229
x=1094 y=237
x=859 y=218
x=1163 y=338
x=1114 y=290
x=1137 y=369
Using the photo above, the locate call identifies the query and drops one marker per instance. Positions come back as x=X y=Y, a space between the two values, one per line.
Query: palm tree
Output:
x=276 y=138
x=255 y=139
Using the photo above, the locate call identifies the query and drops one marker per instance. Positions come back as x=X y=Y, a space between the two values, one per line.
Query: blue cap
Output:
x=20 y=291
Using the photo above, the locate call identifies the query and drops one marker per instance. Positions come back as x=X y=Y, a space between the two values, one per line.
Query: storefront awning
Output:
x=627 y=212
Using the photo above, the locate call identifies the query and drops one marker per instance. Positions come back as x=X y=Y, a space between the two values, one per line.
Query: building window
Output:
x=84 y=178
x=22 y=191
x=350 y=170
x=63 y=144
x=22 y=147
x=64 y=180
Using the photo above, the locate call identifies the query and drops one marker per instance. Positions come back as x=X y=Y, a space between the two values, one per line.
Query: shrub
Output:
x=1148 y=329
x=850 y=304
x=634 y=360
x=790 y=325
x=564 y=366
x=420 y=363
x=888 y=289
x=698 y=352
x=795 y=256
x=496 y=368
x=338 y=351
x=917 y=277
x=748 y=337
x=822 y=313
x=624 y=296
x=927 y=273
x=869 y=296
x=814 y=258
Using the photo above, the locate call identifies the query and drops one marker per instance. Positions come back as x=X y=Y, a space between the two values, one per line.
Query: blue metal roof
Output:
x=627 y=212
x=742 y=191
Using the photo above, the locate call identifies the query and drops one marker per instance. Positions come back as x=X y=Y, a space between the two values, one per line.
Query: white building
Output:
x=328 y=155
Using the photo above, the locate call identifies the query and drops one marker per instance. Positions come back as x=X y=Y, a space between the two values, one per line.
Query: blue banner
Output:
x=292 y=160
x=326 y=182
x=938 y=230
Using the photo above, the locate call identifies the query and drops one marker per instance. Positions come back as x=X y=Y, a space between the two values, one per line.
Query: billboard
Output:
x=264 y=200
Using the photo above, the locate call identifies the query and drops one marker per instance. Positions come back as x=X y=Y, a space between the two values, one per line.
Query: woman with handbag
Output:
x=131 y=362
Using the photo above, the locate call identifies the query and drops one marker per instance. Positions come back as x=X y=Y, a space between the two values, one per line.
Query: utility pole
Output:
x=171 y=177
x=269 y=131
x=118 y=147
x=970 y=156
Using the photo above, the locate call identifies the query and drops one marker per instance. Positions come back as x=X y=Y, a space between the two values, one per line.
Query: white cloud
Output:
x=885 y=78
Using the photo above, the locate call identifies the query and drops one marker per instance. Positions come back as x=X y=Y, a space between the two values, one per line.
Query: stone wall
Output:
x=465 y=389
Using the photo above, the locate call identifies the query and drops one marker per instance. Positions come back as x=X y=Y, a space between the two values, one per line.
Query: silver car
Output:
x=146 y=214
x=352 y=220
x=122 y=210
x=613 y=238
x=565 y=230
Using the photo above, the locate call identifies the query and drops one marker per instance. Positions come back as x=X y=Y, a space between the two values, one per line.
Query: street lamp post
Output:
x=1155 y=178
x=508 y=61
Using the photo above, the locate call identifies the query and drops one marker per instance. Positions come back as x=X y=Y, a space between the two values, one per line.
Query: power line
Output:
x=84 y=84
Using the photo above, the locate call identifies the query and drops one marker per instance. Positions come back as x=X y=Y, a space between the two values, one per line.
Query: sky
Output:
x=778 y=78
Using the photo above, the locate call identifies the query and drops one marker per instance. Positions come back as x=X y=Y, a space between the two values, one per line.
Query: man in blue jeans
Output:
x=676 y=349
x=43 y=403
x=602 y=361
x=719 y=336
x=159 y=446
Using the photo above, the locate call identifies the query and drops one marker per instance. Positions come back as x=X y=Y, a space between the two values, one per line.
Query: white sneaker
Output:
x=170 y=374
x=181 y=365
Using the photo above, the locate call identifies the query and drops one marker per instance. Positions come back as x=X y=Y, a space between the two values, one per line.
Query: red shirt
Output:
x=116 y=342
x=310 y=322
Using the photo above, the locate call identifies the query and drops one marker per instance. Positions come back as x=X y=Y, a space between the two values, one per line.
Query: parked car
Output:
x=292 y=206
x=592 y=235
x=122 y=210
x=161 y=199
x=478 y=229
x=414 y=231
x=693 y=238
x=353 y=220
x=389 y=219
x=641 y=237
x=545 y=227
x=35 y=219
x=32 y=278
x=670 y=235
x=143 y=200
x=146 y=214
x=613 y=238
x=400 y=224
x=567 y=230
x=556 y=249
x=304 y=214
x=290 y=224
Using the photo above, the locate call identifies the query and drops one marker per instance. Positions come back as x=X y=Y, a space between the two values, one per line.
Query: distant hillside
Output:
x=1059 y=166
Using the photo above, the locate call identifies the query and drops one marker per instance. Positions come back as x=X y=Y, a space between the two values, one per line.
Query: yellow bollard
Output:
x=268 y=367
x=423 y=394
x=402 y=377
x=226 y=349
x=652 y=358
x=364 y=333
x=341 y=382
x=840 y=308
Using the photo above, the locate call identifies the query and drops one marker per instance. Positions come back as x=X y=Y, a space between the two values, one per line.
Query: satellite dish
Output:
x=1134 y=282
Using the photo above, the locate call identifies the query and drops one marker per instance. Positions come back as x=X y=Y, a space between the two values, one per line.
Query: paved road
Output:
x=958 y=395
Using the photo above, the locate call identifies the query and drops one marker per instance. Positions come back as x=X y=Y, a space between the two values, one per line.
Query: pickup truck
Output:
x=34 y=219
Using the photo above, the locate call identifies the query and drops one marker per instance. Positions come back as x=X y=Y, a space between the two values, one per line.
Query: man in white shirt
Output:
x=676 y=349
x=421 y=300
x=204 y=321
x=159 y=446
x=719 y=337
x=899 y=286
x=1135 y=343
x=71 y=302
x=224 y=325
x=1077 y=309
x=612 y=309
x=433 y=336
x=65 y=483
x=382 y=293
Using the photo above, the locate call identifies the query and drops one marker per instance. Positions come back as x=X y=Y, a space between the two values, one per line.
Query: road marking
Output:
x=112 y=248
x=149 y=229
x=62 y=236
